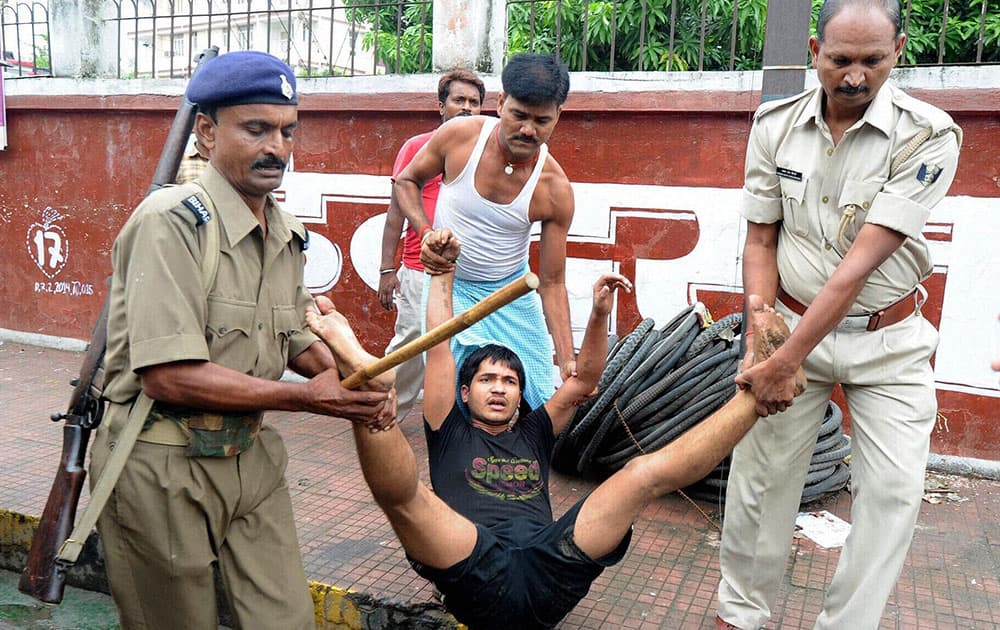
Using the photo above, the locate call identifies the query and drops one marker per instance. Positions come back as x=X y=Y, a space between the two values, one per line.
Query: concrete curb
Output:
x=968 y=466
x=334 y=608
x=43 y=341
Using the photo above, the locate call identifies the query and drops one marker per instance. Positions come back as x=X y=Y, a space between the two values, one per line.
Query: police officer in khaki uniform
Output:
x=839 y=182
x=205 y=482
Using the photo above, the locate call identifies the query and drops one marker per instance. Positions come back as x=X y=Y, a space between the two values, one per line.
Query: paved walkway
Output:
x=79 y=609
x=667 y=580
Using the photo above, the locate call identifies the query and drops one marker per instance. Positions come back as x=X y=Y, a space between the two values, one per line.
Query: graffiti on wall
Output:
x=48 y=247
x=679 y=244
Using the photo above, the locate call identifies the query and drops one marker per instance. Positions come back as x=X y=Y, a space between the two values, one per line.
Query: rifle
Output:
x=44 y=575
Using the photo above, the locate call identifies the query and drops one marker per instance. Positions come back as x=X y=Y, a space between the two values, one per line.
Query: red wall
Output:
x=90 y=158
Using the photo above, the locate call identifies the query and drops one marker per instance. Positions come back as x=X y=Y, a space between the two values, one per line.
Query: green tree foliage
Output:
x=640 y=33
x=602 y=35
x=961 y=32
x=395 y=23
x=41 y=54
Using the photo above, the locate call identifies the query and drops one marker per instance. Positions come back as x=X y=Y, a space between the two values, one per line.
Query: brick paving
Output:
x=667 y=580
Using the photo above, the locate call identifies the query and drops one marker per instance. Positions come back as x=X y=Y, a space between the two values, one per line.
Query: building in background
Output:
x=24 y=39
x=315 y=38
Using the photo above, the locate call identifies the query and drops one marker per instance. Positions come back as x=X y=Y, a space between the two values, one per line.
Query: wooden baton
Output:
x=494 y=301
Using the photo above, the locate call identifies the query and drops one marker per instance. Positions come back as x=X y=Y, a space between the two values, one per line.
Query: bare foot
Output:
x=769 y=332
x=333 y=328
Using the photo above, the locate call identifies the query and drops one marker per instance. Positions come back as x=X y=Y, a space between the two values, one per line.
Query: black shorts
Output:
x=521 y=574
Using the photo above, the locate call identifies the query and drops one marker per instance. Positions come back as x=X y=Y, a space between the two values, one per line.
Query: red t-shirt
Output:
x=411 y=243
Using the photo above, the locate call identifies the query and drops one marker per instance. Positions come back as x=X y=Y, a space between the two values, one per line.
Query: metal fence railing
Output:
x=159 y=38
x=724 y=34
x=945 y=33
x=616 y=35
x=24 y=39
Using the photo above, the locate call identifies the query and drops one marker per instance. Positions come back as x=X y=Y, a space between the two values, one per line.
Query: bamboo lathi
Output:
x=499 y=298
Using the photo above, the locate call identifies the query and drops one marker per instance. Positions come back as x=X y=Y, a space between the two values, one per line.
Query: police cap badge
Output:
x=241 y=78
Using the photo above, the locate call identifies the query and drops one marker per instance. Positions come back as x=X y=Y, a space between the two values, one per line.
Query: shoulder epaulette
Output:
x=937 y=119
x=770 y=106
x=198 y=209
x=172 y=198
x=298 y=229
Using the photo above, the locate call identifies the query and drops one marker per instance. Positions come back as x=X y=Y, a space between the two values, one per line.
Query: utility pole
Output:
x=785 y=48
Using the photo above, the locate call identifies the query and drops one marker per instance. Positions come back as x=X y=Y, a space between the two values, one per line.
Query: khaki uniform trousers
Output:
x=889 y=386
x=409 y=324
x=171 y=516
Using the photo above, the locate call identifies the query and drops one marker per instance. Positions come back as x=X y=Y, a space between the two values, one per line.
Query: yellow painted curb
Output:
x=333 y=610
x=16 y=530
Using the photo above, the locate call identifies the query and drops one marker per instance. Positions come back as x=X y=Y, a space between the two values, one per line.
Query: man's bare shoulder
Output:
x=414 y=143
x=554 y=170
x=554 y=177
x=553 y=198
x=460 y=128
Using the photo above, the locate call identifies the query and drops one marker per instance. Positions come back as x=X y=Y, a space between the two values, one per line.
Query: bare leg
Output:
x=431 y=532
x=610 y=510
x=333 y=328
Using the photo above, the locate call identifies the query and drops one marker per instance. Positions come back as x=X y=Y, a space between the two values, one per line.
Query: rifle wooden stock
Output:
x=500 y=297
x=44 y=578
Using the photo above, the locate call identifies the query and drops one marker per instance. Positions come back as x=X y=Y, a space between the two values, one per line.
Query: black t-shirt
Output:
x=492 y=478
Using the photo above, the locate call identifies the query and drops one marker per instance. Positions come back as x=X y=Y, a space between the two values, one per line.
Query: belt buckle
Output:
x=854 y=323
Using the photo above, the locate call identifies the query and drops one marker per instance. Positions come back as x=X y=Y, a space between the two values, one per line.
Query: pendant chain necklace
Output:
x=511 y=165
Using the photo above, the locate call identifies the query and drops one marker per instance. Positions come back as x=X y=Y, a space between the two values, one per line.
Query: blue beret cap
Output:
x=241 y=78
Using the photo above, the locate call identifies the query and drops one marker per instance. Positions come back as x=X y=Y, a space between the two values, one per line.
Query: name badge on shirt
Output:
x=788 y=173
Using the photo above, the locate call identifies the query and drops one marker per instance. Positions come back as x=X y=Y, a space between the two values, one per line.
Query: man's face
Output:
x=250 y=145
x=494 y=393
x=854 y=60
x=524 y=127
x=463 y=100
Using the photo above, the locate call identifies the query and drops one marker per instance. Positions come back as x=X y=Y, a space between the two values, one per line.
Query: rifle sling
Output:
x=70 y=550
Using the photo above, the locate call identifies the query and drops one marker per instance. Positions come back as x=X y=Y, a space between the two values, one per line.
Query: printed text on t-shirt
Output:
x=505 y=478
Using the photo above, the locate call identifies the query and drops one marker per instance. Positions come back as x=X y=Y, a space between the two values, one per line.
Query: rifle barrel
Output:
x=180 y=131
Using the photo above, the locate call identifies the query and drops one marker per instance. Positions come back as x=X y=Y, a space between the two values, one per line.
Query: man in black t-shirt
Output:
x=485 y=535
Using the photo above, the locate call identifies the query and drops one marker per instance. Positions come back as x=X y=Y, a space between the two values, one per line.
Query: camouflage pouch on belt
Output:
x=210 y=434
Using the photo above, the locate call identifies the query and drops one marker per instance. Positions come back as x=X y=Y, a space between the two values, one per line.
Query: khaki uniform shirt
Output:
x=253 y=319
x=795 y=174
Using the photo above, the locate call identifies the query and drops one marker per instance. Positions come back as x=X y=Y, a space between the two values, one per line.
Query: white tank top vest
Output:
x=494 y=236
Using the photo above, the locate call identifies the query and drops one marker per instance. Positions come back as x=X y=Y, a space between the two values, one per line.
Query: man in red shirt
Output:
x=460 y=93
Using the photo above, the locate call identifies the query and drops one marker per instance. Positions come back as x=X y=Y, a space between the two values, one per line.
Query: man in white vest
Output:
x=499 y=180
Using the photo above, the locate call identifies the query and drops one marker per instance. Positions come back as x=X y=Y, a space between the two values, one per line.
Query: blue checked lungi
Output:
x=519 y=326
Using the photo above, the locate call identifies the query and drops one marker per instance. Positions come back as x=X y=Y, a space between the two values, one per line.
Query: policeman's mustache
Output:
x=464 y=112
x=852 y=90
x=270 y=162
x=524 y=139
